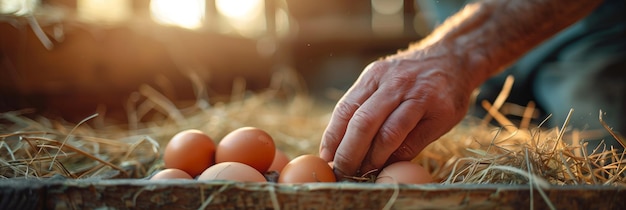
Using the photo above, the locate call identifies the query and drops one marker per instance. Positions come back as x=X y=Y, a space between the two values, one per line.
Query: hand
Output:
x=397 y=107
x=401 y=104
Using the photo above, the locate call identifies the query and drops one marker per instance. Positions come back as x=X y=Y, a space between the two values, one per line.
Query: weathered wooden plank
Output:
x=188 y=194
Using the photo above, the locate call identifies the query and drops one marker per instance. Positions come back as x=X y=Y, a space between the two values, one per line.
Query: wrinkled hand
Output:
x=397 y=107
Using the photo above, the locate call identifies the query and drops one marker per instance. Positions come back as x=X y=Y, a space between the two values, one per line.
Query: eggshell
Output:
x=171 y=173
x=307 y=168
x=280 y=161
x=233 y=171
x=191 y=151
x=405 y=172
x=249 y=145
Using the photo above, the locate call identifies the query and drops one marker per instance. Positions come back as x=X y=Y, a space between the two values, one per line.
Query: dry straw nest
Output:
x=474 y=152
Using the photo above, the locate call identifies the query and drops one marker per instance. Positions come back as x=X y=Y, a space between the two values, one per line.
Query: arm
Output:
x=402 y=103
x=491 y=34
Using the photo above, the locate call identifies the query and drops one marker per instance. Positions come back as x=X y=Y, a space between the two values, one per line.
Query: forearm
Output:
x=489 y=35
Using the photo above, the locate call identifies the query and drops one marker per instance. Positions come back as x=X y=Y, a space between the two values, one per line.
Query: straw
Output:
x=468 y=154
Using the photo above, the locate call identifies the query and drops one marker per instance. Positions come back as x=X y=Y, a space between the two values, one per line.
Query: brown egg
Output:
x=233 y=171
x=171 y=173
x=191 y=151
x=280 y=160
x=248 y=145
x=405 y=172
x=307 y=168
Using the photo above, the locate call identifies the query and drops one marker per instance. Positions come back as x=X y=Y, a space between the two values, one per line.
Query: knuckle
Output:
x=389 y=134
x=362 y=120
x=329 y=136
x=401 y=80
x=447 y=112
x=377 y=67
x=344 y=110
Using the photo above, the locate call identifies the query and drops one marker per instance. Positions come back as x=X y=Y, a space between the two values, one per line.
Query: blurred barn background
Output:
x=69 y=58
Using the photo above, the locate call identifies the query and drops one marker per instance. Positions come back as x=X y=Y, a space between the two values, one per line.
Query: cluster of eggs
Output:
x=246 y=154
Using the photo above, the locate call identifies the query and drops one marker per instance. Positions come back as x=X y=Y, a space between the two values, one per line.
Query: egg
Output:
x=279 y=162
x=171 y=173
x=307 y=168
x=191 y=151
x=405 y=172
x=233 y=171
x=248 y=145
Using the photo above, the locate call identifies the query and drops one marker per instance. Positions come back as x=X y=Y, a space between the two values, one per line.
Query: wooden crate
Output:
x=189 y=194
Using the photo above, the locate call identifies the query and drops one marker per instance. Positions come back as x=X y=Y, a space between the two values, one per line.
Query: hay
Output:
x=43 y=149
x=93 y=149
x=472 y=153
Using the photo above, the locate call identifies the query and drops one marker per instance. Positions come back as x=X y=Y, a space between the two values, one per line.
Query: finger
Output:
x=342 y=113
x=361 y=131
x=337 y=127
x=426 y=131
x=391 y=134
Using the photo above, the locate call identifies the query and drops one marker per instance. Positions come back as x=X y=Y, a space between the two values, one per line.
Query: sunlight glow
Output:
x=17 y=7
x=243 y=17
x=240 y=9
x=183 y=13
x=104 y=11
